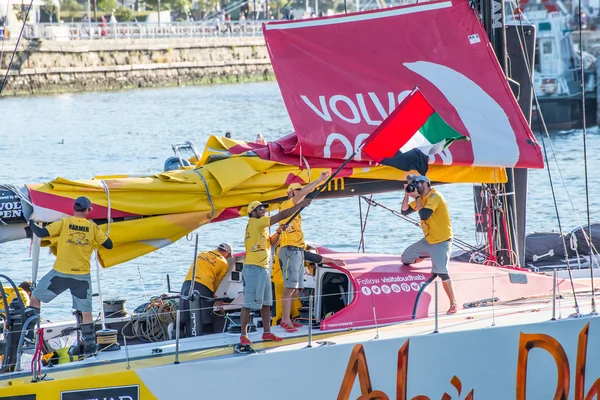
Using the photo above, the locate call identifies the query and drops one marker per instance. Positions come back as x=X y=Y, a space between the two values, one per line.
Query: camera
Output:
x=411 y=187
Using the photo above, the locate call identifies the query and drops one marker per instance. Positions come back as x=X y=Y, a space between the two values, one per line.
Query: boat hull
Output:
x=564 y=113
x=493 y=362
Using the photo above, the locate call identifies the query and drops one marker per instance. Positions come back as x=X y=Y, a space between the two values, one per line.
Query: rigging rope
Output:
x=363 y=227
x=459 y=243
x=585 y=166
x=544 y=130
x=15 y=49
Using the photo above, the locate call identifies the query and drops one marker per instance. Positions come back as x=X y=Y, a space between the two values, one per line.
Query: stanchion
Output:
x=177 y=336
x=554 y=296
x=310 y=319
x=436 y=308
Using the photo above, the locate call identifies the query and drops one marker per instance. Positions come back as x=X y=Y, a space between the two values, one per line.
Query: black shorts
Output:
x=206 y=305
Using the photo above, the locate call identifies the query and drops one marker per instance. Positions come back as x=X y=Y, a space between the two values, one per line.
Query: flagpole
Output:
x=312 y=195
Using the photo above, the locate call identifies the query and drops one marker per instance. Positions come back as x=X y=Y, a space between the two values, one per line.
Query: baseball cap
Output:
x=255 y=204
x=226 y=247
x=417 y=178
x=294 y=186
x=82 y=203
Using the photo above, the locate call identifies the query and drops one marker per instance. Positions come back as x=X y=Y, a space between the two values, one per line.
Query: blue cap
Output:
x=82 y=203
x=417 y=178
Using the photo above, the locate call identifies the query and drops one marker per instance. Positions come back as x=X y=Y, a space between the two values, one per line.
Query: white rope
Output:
x=108 y=217
x=307 y=168
x=212 y=206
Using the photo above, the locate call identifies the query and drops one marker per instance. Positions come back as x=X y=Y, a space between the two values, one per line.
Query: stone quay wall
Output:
x=46 y=66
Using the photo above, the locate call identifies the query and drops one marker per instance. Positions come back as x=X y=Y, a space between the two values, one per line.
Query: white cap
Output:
x=226 y=247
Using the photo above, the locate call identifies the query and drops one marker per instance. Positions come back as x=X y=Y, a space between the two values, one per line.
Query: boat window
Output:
x=334 y=292
x=546 y=47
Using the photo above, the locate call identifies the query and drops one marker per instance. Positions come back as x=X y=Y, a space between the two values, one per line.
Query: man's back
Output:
x=211 y=268
x=75 y=239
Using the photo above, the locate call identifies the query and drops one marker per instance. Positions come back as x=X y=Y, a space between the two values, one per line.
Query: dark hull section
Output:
x=565 y=113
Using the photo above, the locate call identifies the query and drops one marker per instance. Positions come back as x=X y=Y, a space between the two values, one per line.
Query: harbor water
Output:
x=79 y=136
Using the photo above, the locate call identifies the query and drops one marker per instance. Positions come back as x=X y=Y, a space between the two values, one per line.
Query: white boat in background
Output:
x=557 y=69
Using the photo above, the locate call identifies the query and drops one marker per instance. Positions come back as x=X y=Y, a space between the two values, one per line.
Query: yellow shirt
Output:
x=256 y=242
x=77 y=238
x=437 y=228
x=294 y=235
x=211 y=268
x=10 y=294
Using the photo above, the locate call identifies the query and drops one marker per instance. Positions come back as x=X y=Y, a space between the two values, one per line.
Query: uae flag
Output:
x=409 y=135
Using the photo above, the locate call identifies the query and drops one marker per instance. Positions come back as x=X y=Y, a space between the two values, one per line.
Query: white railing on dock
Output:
x=140 y=30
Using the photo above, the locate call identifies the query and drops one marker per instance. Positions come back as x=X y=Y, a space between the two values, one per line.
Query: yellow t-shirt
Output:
x=294 y=235
x=211 y=268
x=256 y=242
x=10 y=294
x=437 y=228
x=77 y=238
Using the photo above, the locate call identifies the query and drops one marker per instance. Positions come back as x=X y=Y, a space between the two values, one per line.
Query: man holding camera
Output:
x=435 y=222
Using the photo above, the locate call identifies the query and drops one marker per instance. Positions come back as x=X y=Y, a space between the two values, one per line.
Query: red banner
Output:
x=341 y=76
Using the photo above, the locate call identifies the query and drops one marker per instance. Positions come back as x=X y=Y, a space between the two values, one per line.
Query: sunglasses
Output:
x=260 y=208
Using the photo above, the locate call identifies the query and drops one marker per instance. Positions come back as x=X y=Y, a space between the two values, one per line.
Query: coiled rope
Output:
x=149 y=321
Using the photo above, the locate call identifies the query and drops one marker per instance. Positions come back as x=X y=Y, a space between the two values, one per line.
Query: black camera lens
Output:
x=411 y=187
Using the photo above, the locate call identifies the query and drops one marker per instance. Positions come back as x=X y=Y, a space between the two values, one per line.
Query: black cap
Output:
x=82 y=203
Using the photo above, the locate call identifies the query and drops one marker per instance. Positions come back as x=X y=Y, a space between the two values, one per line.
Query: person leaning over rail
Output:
x=437 y=228
x=211 y=268
x=291 y=253
x=256 y=276
x=76 y=238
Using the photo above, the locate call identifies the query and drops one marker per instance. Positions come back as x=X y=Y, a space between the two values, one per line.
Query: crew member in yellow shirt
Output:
x=77 y=237
x=24 y=290
x=255 y=273
x=291 y=254
x=436 y=226
x=211 y=268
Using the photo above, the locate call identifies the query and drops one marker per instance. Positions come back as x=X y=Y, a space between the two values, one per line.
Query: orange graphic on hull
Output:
x=357 y=366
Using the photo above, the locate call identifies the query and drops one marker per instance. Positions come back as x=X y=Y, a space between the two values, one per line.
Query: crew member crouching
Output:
x=211 y=268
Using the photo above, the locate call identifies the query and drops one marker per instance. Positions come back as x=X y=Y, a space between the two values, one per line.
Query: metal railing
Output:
x=141 y=30
x=431 y=322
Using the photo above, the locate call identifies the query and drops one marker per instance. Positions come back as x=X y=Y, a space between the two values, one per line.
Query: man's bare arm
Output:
x=310 y=187
x=280 y=216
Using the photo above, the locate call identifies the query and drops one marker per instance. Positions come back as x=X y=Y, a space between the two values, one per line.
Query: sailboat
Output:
x=375 y=327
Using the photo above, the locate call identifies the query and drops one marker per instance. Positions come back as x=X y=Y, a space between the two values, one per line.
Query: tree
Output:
x=181 y=6
x=324 y=5
x=50 y=8
x=208 y=6
x=70 y=6
x=107 y=5
x=124 y=14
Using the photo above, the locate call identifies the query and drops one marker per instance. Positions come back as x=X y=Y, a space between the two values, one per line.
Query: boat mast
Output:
x=515 y=194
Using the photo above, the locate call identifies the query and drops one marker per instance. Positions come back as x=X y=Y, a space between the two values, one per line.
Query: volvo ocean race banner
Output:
x=341 y=77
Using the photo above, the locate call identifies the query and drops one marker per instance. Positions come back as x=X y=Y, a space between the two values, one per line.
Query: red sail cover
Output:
x=341 y=76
